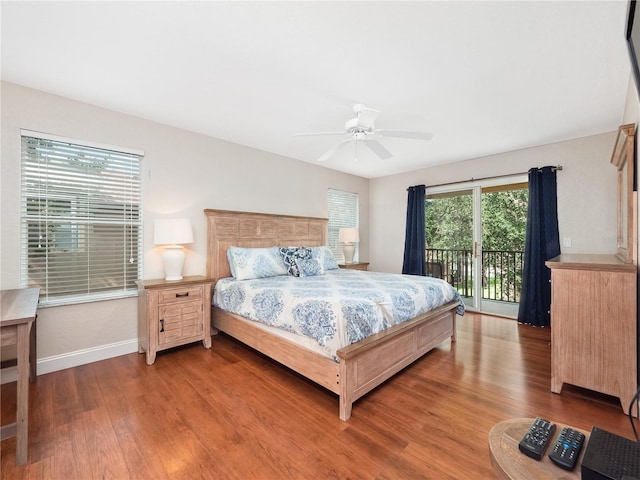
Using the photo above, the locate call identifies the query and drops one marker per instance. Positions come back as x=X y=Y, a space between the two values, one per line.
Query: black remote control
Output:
x=535 y=441
x=567 y=448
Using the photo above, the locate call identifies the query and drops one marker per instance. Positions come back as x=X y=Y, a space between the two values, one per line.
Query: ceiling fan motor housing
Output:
x=355 y=126
x=360 y=135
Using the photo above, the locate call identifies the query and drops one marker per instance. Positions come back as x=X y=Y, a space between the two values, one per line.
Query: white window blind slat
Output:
x=343 y=212
x=69 y=141
x=81 y=220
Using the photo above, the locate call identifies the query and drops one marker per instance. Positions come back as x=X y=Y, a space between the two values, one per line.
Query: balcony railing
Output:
x=501 y=272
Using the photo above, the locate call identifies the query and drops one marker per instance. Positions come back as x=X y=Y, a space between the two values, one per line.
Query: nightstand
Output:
x=355 y=266
x=173 y=313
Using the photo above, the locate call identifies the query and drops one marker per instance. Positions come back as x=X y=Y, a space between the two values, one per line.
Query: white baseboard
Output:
x=74 y=359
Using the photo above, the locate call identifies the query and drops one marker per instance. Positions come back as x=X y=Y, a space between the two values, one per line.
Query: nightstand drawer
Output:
x=184 y=294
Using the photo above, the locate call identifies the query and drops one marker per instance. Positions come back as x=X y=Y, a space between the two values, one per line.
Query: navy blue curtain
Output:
x=414 y=241
x=542 y=243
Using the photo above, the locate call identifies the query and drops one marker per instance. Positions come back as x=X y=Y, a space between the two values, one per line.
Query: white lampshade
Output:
x=173 y=232
x=348 y=235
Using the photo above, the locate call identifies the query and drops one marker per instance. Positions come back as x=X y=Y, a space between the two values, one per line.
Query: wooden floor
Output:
x=230 y=413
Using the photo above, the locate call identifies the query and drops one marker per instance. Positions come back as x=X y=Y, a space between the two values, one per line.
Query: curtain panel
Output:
x=415 y=234
x=541 y=244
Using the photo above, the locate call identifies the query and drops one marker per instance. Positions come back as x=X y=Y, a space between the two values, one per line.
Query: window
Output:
x=343 y=212
x=80 y=219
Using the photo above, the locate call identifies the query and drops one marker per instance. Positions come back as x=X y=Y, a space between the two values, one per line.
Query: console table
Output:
x=510 y=463
x=17 y=327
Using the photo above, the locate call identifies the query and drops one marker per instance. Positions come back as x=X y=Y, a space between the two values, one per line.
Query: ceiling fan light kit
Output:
x=362 y=129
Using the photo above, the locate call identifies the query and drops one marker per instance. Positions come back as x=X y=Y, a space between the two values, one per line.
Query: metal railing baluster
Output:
x=502 y=272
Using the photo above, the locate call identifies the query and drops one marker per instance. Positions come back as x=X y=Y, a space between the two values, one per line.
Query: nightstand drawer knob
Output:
x=178 y=295
x=162 y=324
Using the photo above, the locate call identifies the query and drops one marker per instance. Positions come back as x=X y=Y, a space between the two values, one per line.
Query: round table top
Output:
x=511 y=464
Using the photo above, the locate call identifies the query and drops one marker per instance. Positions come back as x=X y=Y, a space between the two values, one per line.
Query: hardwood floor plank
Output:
x=71 y=458
x=232 y=413
x=141 y=464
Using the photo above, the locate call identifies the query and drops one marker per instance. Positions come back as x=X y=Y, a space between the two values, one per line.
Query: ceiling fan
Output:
x=362 y=128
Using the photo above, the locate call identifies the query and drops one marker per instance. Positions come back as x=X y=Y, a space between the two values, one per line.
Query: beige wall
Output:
x=586 y=195
x=182 y=174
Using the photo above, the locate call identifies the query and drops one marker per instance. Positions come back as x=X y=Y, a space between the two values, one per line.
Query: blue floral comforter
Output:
x=336 y=309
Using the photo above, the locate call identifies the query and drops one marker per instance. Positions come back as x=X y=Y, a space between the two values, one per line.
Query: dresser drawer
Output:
x=184 y=294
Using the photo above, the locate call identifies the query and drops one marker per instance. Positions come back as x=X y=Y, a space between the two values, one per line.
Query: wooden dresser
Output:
x=593 y=325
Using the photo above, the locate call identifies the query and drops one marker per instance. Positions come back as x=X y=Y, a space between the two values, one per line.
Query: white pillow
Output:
x=250 y=263
x=325 y=256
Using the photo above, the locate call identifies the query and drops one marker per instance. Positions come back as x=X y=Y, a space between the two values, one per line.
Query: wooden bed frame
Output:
x=363 y=365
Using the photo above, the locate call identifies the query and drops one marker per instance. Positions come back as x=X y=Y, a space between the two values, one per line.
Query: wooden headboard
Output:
x=227 y=228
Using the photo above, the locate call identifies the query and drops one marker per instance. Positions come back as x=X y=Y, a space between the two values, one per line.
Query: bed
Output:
x=355 y=369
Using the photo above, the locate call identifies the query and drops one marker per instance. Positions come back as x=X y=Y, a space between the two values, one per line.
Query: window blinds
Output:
x=343 y=212
x=81 y=220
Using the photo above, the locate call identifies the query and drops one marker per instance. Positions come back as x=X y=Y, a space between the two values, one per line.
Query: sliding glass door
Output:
x=450 y=239
x=475 y=241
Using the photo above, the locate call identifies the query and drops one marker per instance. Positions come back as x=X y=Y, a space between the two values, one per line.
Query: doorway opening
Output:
x=475 y=240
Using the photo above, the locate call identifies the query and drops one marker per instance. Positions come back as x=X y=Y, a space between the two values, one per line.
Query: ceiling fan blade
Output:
x=405 y=134
x=334 y=150
x=319 y=133
x=379 y=149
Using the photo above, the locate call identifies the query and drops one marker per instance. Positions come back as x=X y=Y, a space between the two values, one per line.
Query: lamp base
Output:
x=173 y=261
x=349 y=250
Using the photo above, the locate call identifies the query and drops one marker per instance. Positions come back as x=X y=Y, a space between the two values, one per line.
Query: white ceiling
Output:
x=483 y=77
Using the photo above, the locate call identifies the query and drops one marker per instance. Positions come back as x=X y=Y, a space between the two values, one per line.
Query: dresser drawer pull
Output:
x=178 y=295
x=162 y=324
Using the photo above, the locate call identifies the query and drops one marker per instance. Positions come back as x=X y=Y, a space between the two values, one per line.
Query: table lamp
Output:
x=173 y=233
x=348 y=236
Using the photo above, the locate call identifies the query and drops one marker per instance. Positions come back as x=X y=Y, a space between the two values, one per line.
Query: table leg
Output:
x=33 y=353
x=22 y=397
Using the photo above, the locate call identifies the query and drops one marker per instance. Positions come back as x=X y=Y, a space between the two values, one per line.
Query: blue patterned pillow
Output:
x=325 y=256
x=309 y=267
x=250 y=263
x=289 y=255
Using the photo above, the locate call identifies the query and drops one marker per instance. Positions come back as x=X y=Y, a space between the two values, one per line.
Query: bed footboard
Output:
x=367 y=364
